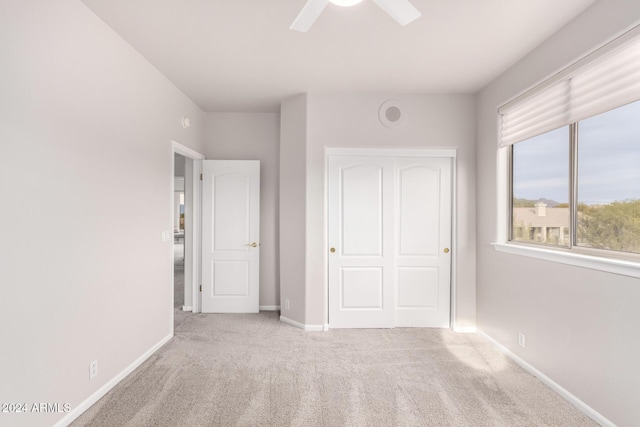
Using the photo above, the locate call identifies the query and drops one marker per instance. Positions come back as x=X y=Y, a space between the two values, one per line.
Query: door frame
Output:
x=193 y=168
x=450 y=153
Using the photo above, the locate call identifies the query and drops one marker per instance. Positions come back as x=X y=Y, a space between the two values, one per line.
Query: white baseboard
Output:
x=86 y=404
x=566 y=395
x=308 y=328
x=465 y=329
x=187 y=308
x=291 y=322
x=269 y=307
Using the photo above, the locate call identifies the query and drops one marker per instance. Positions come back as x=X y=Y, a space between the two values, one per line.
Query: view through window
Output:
x=606 y=155
x=540 y=211
x=609 y=180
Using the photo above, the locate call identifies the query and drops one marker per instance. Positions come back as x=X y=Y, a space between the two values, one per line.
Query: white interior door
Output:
x=423 y=241
x=361 y=242
x=390 y=226
x=230 y=240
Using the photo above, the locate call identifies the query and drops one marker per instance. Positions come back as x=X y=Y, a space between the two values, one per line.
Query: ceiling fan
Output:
x=400 y=10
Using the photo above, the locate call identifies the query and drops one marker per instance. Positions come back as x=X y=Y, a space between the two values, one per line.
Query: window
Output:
x=574 y=156
x=608 y=184
x=540 y=190
x=605 y=200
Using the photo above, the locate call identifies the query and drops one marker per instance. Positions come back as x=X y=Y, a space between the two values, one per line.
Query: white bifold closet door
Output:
x=389 y=239
x=361 y=242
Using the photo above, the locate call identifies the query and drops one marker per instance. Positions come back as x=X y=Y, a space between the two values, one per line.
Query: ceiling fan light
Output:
x=345 y=3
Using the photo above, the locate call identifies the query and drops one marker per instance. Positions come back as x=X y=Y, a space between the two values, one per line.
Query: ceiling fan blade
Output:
x=400 y=10
x=308 y=15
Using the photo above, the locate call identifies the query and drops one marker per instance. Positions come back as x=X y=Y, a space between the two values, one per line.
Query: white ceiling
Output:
x=239 y=55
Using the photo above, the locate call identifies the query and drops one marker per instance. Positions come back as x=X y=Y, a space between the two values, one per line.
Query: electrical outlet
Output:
x=93 y=369
x=286 y=304
x=521 y=341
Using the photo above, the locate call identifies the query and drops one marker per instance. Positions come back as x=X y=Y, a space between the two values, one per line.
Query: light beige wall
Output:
x=293 y=139
x=254 y=136
x=178 y=165
x=580 y=325
x=351 y=120
x=85 y=276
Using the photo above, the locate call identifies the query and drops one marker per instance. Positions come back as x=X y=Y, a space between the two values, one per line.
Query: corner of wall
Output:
x=293 y=140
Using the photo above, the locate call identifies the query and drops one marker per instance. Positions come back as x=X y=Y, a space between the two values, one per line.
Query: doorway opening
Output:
x=186 y=167
x=178 y=231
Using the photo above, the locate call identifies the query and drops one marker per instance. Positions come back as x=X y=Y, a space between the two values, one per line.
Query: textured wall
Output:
x=580 y=324
x=84 y=274
x=293 y=137
x=254 y=136
x=351 y=121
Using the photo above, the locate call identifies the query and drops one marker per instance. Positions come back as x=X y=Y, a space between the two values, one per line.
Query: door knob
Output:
x=446 y=250
x=332 y=250
x=253 y=245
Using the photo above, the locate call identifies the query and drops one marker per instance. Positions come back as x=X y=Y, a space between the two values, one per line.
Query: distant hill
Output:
x=526 y=203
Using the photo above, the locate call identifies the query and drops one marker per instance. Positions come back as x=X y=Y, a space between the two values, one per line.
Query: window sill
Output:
x=609 y=265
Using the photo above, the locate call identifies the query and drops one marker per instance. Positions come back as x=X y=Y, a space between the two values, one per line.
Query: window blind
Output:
x=606 y=79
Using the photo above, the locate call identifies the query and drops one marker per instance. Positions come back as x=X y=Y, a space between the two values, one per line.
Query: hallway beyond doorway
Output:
x=178 y=275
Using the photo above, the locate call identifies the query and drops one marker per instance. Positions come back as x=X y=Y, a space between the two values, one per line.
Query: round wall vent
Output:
x=391 y=114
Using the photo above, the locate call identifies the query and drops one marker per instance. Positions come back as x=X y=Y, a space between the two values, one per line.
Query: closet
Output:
x=389 y=240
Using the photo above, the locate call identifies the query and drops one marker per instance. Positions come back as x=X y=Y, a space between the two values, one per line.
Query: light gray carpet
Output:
x=252 y=370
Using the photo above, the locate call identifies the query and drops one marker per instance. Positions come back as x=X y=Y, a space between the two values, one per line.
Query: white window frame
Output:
x=596 y=259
